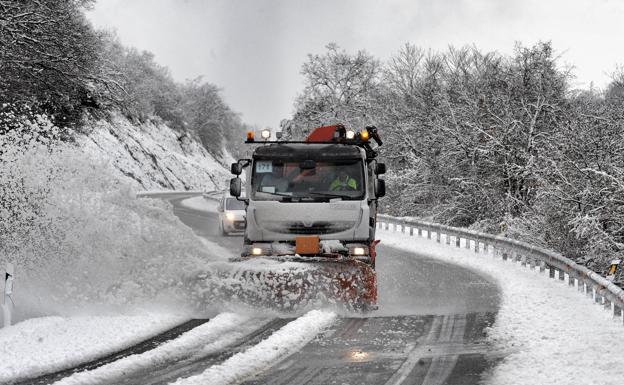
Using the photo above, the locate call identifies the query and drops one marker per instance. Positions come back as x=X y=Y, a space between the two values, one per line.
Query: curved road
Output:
x=429 y=328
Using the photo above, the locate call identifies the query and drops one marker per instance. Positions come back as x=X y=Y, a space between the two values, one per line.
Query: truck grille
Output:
x=300 y=227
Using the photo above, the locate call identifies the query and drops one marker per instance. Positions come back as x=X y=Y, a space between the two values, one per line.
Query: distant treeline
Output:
x=501 y=143
x=54 y=62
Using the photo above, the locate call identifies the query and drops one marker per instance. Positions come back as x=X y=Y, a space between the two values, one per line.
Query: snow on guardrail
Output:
x=601 y=290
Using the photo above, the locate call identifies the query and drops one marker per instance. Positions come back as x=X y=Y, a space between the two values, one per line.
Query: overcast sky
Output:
x=254 y=49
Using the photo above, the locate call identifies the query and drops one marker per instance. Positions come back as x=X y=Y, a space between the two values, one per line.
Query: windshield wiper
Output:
x=328 y=195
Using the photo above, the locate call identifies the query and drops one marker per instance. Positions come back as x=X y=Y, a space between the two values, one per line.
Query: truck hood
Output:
x=306 y=218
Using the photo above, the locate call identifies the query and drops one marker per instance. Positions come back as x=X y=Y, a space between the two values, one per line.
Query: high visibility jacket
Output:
x=341 y=184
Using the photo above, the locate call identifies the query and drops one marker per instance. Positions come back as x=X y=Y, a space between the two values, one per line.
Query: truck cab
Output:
x=321 y=192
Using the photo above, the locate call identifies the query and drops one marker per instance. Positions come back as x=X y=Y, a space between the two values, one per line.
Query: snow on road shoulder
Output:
x=200 y=204
x=44 y=345
x=280 y=344
x=554 y=334
x=221 y=331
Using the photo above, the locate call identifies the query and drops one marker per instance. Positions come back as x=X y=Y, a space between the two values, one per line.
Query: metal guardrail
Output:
x=602 y=291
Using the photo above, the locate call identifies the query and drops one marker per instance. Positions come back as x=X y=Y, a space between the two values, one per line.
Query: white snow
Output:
x=154 y=156
x=279 y=345
x=200 y=203
x=43 y=345
x=554 y=334
x=221 y=331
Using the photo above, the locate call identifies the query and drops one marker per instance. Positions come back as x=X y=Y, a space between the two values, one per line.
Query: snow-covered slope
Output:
x=153 y=156
x=74 y=228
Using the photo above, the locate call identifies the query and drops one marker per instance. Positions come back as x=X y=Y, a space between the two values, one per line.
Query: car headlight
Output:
x=230 y=216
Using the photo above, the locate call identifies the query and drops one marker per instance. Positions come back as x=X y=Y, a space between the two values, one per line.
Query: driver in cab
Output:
x=343 y=182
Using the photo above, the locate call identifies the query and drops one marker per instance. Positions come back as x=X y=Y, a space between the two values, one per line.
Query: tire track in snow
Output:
x=136 y=349
x=278 y=346
x=208 y=338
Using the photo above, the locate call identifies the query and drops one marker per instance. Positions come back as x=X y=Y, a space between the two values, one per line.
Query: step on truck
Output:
x=315 y=201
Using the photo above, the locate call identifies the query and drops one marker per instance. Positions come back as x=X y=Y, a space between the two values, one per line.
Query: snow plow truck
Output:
x=315 y=201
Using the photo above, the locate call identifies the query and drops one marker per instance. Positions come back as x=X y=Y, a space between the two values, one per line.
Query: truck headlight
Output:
x=230 y=216
x=256 y=251
x=358 y=251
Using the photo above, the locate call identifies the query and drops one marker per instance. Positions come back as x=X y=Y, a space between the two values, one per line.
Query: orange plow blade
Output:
x=285 y=285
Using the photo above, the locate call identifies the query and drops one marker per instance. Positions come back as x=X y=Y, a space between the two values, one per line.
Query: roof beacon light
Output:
x=265 y=134
x=350 y=134
x=364 y=135
x=250 y=136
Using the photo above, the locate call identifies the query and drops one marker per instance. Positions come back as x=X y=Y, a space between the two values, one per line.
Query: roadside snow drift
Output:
x=221 y=331
x=44 y=345
x=554 y=334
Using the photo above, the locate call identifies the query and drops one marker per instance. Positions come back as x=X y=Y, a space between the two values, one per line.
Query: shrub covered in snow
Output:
x=76 y=230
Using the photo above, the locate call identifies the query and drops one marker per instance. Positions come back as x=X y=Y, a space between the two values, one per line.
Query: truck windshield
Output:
x=234 y=204
x=307 y=180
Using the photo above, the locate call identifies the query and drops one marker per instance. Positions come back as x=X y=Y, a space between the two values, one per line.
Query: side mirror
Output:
x=236 y=168
x=380 y=168
x=380 y=188
x=235 y=187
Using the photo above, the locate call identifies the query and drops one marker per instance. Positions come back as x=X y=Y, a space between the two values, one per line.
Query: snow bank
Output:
x=71 y=222
x=279 y=345
x=43 y=345
x=153 y=156
x=221 y=331
x=554 y=334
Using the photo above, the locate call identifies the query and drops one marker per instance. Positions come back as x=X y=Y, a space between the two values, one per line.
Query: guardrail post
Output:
x=476 y=248
x=419 y=231
x=411 y=231
x=438 y=236
x=7 y=299
x=505 y=255
x=457 y=241
x=607 y=304
x=468 y=243
x=542 y=266
x=523 y=259
x=447 y=237
x=617 y=311
x=429 y=233
x=387 y=226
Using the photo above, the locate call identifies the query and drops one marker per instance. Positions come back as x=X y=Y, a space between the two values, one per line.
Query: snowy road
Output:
x=429 y=329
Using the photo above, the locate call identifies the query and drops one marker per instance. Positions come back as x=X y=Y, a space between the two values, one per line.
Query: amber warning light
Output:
x=250 y=136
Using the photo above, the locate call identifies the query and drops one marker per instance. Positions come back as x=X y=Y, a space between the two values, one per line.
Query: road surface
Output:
x=429 y=329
